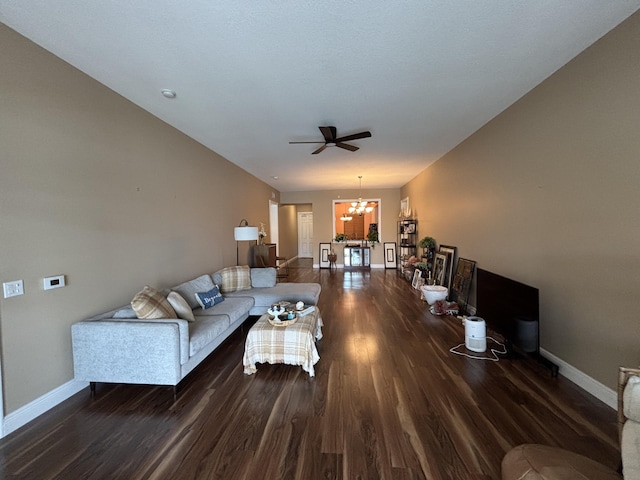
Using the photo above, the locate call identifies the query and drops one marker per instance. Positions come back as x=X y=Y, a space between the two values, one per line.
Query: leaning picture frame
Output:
x=450 y=252
x=440 y=269
x=417 y=279
x=323 y=260
x=462 y=283
x=390 y=255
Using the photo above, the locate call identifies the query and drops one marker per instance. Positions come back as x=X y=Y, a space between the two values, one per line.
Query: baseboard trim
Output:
x=32 y=410
x=584 y=381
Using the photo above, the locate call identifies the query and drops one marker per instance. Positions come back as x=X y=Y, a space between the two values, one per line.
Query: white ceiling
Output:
x=251 y=76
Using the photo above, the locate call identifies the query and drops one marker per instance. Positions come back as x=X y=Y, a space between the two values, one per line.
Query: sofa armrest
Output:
x=130 y=351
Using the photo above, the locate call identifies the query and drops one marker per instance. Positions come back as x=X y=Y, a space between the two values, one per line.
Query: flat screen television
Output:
x=509 y=308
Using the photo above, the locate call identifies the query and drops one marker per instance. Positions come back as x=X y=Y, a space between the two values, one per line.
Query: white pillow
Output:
x=181 y=306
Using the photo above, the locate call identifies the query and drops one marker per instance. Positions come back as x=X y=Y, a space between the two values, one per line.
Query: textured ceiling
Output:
x=252 y=76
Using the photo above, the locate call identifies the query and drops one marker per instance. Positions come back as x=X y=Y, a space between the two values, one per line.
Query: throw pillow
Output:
x=210 y=298
x=263 y=277
x=188 y=289
x=149 y=303
x=235 y=279
x=181 y=306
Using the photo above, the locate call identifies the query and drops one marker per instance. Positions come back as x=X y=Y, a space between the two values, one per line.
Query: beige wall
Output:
x=322 y=203
x=95 y=188
x=288 y=233
x=548 y=193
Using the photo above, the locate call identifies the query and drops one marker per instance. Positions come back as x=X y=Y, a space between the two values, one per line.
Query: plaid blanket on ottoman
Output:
x=292 y=345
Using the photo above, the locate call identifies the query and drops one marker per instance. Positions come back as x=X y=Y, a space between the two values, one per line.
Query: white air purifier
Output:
x=475 y=334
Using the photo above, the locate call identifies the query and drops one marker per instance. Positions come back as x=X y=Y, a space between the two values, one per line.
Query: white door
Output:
x=305 y=234
x=274 y=232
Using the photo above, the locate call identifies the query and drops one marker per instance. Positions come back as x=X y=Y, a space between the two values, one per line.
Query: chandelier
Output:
x=360 y=206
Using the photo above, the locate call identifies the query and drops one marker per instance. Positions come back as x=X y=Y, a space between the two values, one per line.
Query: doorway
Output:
x=305 y=234
x=273 y=225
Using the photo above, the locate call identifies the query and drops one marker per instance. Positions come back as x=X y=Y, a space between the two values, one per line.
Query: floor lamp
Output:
x=243 y=233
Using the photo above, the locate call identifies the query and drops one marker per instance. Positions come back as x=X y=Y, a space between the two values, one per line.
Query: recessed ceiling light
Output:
x=275 y=177
x=167 y=92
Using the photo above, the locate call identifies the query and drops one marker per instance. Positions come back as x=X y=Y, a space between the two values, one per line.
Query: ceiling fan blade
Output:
x=304 y=142
x=351 y=148
x=329 y=133
x=319 y=150
x=355 y=136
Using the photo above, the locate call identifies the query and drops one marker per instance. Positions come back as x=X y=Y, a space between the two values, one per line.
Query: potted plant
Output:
x=428 y=245
x=372 y=238
x=341 y=237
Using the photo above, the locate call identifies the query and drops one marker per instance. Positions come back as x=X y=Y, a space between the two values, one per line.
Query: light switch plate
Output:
x=54 y=282
x=13 y=289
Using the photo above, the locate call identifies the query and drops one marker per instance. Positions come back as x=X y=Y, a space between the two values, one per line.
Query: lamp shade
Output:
x=245 y=233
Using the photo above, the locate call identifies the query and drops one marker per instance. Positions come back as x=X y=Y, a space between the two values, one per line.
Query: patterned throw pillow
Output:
x=149 y=303
x=210 y=298
x=181 y=306
x=235 y=279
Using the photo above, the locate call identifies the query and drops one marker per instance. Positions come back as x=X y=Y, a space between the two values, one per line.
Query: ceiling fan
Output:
x=330 y=139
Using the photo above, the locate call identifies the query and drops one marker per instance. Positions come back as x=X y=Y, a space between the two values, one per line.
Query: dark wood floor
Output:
x=389 y=401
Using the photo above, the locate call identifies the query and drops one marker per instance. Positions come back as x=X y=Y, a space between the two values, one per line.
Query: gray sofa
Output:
x=118 y=347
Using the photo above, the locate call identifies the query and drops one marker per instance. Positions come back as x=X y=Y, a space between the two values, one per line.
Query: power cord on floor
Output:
x=493 y=351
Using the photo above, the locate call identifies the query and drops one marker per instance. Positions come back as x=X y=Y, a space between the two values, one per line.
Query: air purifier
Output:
x=475 y=334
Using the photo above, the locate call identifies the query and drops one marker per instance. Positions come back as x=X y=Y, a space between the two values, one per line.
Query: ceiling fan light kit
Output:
x=331 y=139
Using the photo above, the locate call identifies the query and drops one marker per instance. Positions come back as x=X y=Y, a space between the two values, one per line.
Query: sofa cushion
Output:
x=263 y=277
x=205 y=330
x=630 y=449
x=630 y=445
x=631 y=399
x=181 y=307
x=235 y=279
x=210 y=298
x=189 y=289
x=149 y=303
x=234 y=308
x=307 y=293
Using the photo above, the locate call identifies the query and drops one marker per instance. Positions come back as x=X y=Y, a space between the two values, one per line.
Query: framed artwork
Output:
x=417 y=279
x=462 y=283
x=405 y=211
x=325 y=250
x=440 y=269
x=390 y=260
x=450 y=252
x=407 y=226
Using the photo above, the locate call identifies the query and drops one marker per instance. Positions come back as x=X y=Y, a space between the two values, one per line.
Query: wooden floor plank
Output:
x=389 y=401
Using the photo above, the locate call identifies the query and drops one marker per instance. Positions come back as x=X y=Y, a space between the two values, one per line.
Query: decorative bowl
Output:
x=433 y=293
x=276 y=310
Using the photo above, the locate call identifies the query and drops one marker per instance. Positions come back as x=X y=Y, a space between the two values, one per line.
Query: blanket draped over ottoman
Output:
x=292 y=345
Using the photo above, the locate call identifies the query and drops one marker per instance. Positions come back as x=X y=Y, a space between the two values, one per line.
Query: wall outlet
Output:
x=13 y=289
x=54 y=282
